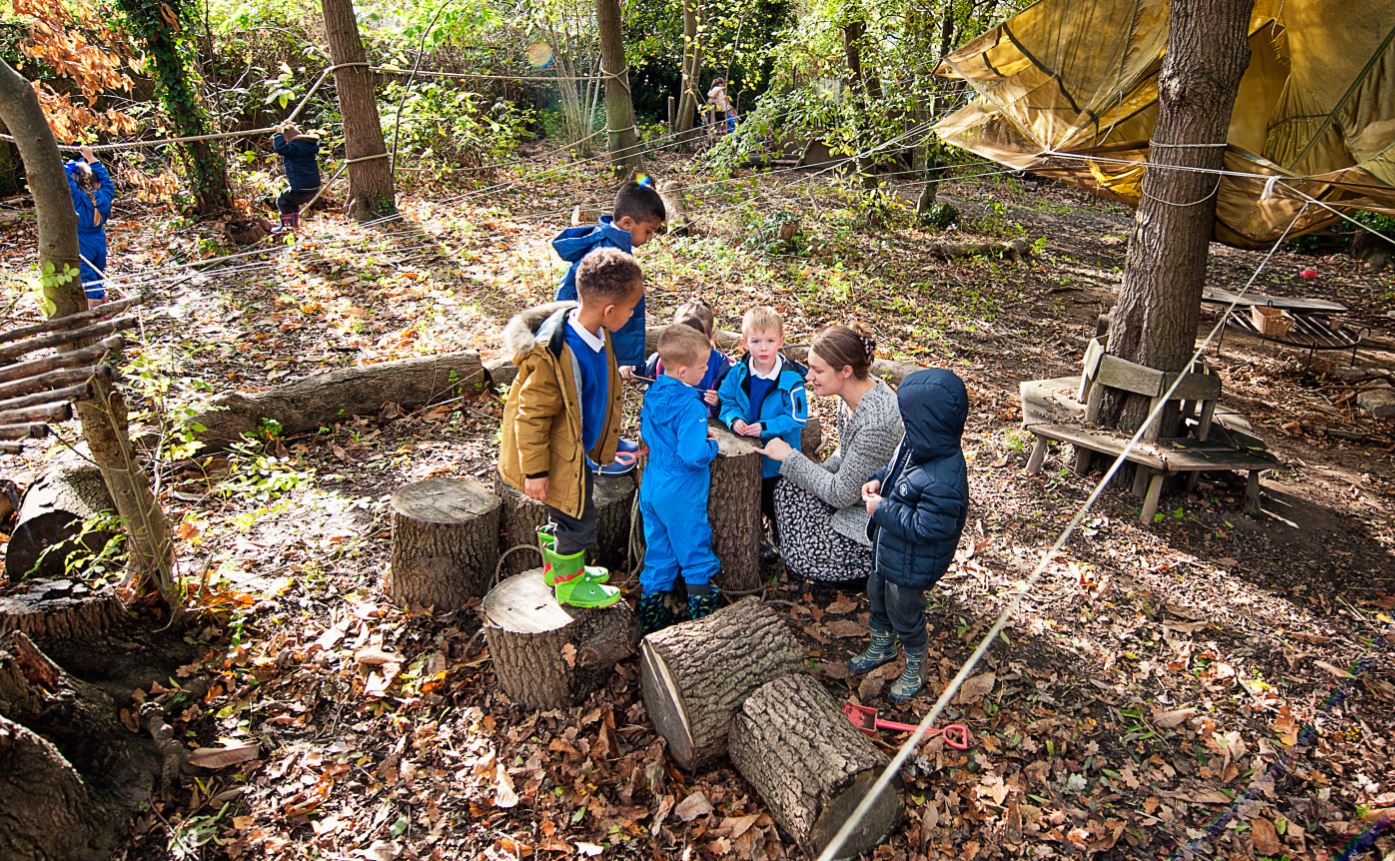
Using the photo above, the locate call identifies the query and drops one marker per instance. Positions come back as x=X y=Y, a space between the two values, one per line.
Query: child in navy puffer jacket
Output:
x=915 y=525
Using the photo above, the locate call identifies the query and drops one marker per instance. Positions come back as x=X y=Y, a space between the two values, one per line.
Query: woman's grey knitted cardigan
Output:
x=867 y=439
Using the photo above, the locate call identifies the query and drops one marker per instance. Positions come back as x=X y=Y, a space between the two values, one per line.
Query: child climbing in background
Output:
x=637 y=215
x=763 y=395
x=673 y=495
x=92 y=191
x=299 y=152
x=697 y=315
x=563 y=413
x=723 y=112
x=915 y=526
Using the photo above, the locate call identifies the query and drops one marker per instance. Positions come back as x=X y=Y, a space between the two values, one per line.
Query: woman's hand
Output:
x=776 y=449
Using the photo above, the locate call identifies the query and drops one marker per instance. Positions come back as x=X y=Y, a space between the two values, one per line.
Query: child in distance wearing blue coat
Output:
x=697 y=315
x=915 y=525
x=92 y=191
x=673 y=492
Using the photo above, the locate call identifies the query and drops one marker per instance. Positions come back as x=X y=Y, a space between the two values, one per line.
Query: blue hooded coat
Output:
x=298 y=161
x=781 y=414
x=572 y=245
x=92 y=214
x=925 y=488
x=673 y=492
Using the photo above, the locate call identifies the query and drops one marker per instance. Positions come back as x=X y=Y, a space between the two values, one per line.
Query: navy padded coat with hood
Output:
x=572 y=245
x=925 y=488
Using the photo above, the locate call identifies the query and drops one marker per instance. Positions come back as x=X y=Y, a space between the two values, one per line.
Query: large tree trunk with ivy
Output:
x=691 y=70
x=932 y=154
x=1155 y=321
x=161 y=26
x=104 y=416
x=370 y=173
x=619 y=105
x=864 y=89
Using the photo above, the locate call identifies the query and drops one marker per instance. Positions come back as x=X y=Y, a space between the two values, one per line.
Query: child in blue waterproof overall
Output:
x=92 y=191
x=299 y=153
x=915 y=524
x=697 y=315
x=763 y=395
x=673 y=494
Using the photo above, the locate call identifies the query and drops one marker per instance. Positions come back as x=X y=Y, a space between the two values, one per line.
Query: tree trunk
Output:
x=445 y=543
x=323 y=400
x=161 y=25
x=862 y=89
x=51 y=519
x=690 y=99
x=614 y=496
x=695 y=675
x=810 y=766
x=733 y=508
x=1155 y=320
x=46 y=812
x=545 y=655
x=621 y=136
x=104 y=417
x=370 y=174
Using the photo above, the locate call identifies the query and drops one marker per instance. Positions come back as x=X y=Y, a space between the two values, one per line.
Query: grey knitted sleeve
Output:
x=863 y=453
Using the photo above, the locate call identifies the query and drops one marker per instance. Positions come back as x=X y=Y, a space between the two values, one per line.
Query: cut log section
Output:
x=614 y=496
x=445 y=543
x=733 y=509
x=547 y=656
x=811 y=767
x=323 y=400
x=49 y=536
x=61 y=614
x=695 y=675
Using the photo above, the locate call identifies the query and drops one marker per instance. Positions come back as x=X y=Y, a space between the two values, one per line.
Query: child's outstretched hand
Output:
x=627 y=372
x=709 y=397
x=88 y=155
x=535 y=488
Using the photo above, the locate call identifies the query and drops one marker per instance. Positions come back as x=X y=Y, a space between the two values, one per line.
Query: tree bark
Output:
x=51 y=518
x=614 y=496
x=810 y=766
x=62 y=615
x=733 y=509
x=445 y=543
x=370 y=173
x=621 y=136
x=46 y=812
x=545 y=655
x=691 y=70
x=323 y=400
x=1155 y=320
x=104 y=417
x=695 y=675
x=862 y=88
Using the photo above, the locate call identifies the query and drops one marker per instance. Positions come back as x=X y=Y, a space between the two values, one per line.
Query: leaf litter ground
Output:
x=1215 y=682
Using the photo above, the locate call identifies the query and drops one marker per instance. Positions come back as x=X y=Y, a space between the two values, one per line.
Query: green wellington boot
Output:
x=911 y=680
x=570 y=585
x=547 y=542
x=880 y=650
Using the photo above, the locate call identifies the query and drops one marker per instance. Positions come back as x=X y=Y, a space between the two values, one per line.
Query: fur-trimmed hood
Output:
x=524 y=329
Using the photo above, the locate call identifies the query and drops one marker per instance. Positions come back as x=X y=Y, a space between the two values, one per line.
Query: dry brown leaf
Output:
x=842 y=604
x=1266 y=839
x=376 y=656
x=222 y=757
x=1169 y=718
x=735 y=826
x=975 y=689
x=844 y=628
x=569 y=654
x=692 y=807
x=504 y=794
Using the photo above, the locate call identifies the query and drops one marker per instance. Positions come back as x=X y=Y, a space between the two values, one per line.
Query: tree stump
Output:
x=445 y=543
x=59 y=614
x=810 y=766
x=547 y=656
x=695 y=675
x=49 y=534
x=733 y=509
x=614 y=495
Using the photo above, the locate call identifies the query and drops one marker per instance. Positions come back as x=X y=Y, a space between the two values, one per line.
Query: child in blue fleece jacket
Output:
x=673 y=494
x=92 y=191
x=639 y=213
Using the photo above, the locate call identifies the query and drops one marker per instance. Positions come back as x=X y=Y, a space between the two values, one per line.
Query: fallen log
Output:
x=74 y=359
x=445 y=541
x=70 y=321
x=61 y=615
x=54 y=380
x=26 y=430
x=49 y=534
x=811 y=767
x=695 y=675
x=1014 y=250
x=614 y=496
x=45 y=412
x=46 y=340
x=67 y=394
x=545 y=655
x=733 y=509
x=323 y=400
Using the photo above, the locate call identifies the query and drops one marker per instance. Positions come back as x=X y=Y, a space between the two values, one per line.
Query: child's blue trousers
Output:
x=677 y=540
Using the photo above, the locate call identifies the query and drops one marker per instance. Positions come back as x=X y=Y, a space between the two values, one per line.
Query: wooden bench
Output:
x=1066 y=409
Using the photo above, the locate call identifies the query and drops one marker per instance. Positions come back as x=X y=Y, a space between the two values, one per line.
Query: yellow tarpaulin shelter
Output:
x=1069 y=88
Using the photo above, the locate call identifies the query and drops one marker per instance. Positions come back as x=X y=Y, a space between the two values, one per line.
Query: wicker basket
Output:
x=1271 y=322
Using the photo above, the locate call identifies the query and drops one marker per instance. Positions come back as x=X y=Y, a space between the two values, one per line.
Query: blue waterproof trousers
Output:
x=678 y=540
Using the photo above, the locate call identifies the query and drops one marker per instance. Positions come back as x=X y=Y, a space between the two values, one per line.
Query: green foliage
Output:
x=941 y=216
x=444 y=125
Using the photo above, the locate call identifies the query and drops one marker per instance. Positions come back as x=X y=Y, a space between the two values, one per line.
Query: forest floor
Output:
x=1213 y=683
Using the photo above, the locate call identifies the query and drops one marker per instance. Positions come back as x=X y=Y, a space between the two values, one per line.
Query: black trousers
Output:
x=576 y=533
x=767 y=503
x=292 y=200
x=900 y=609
